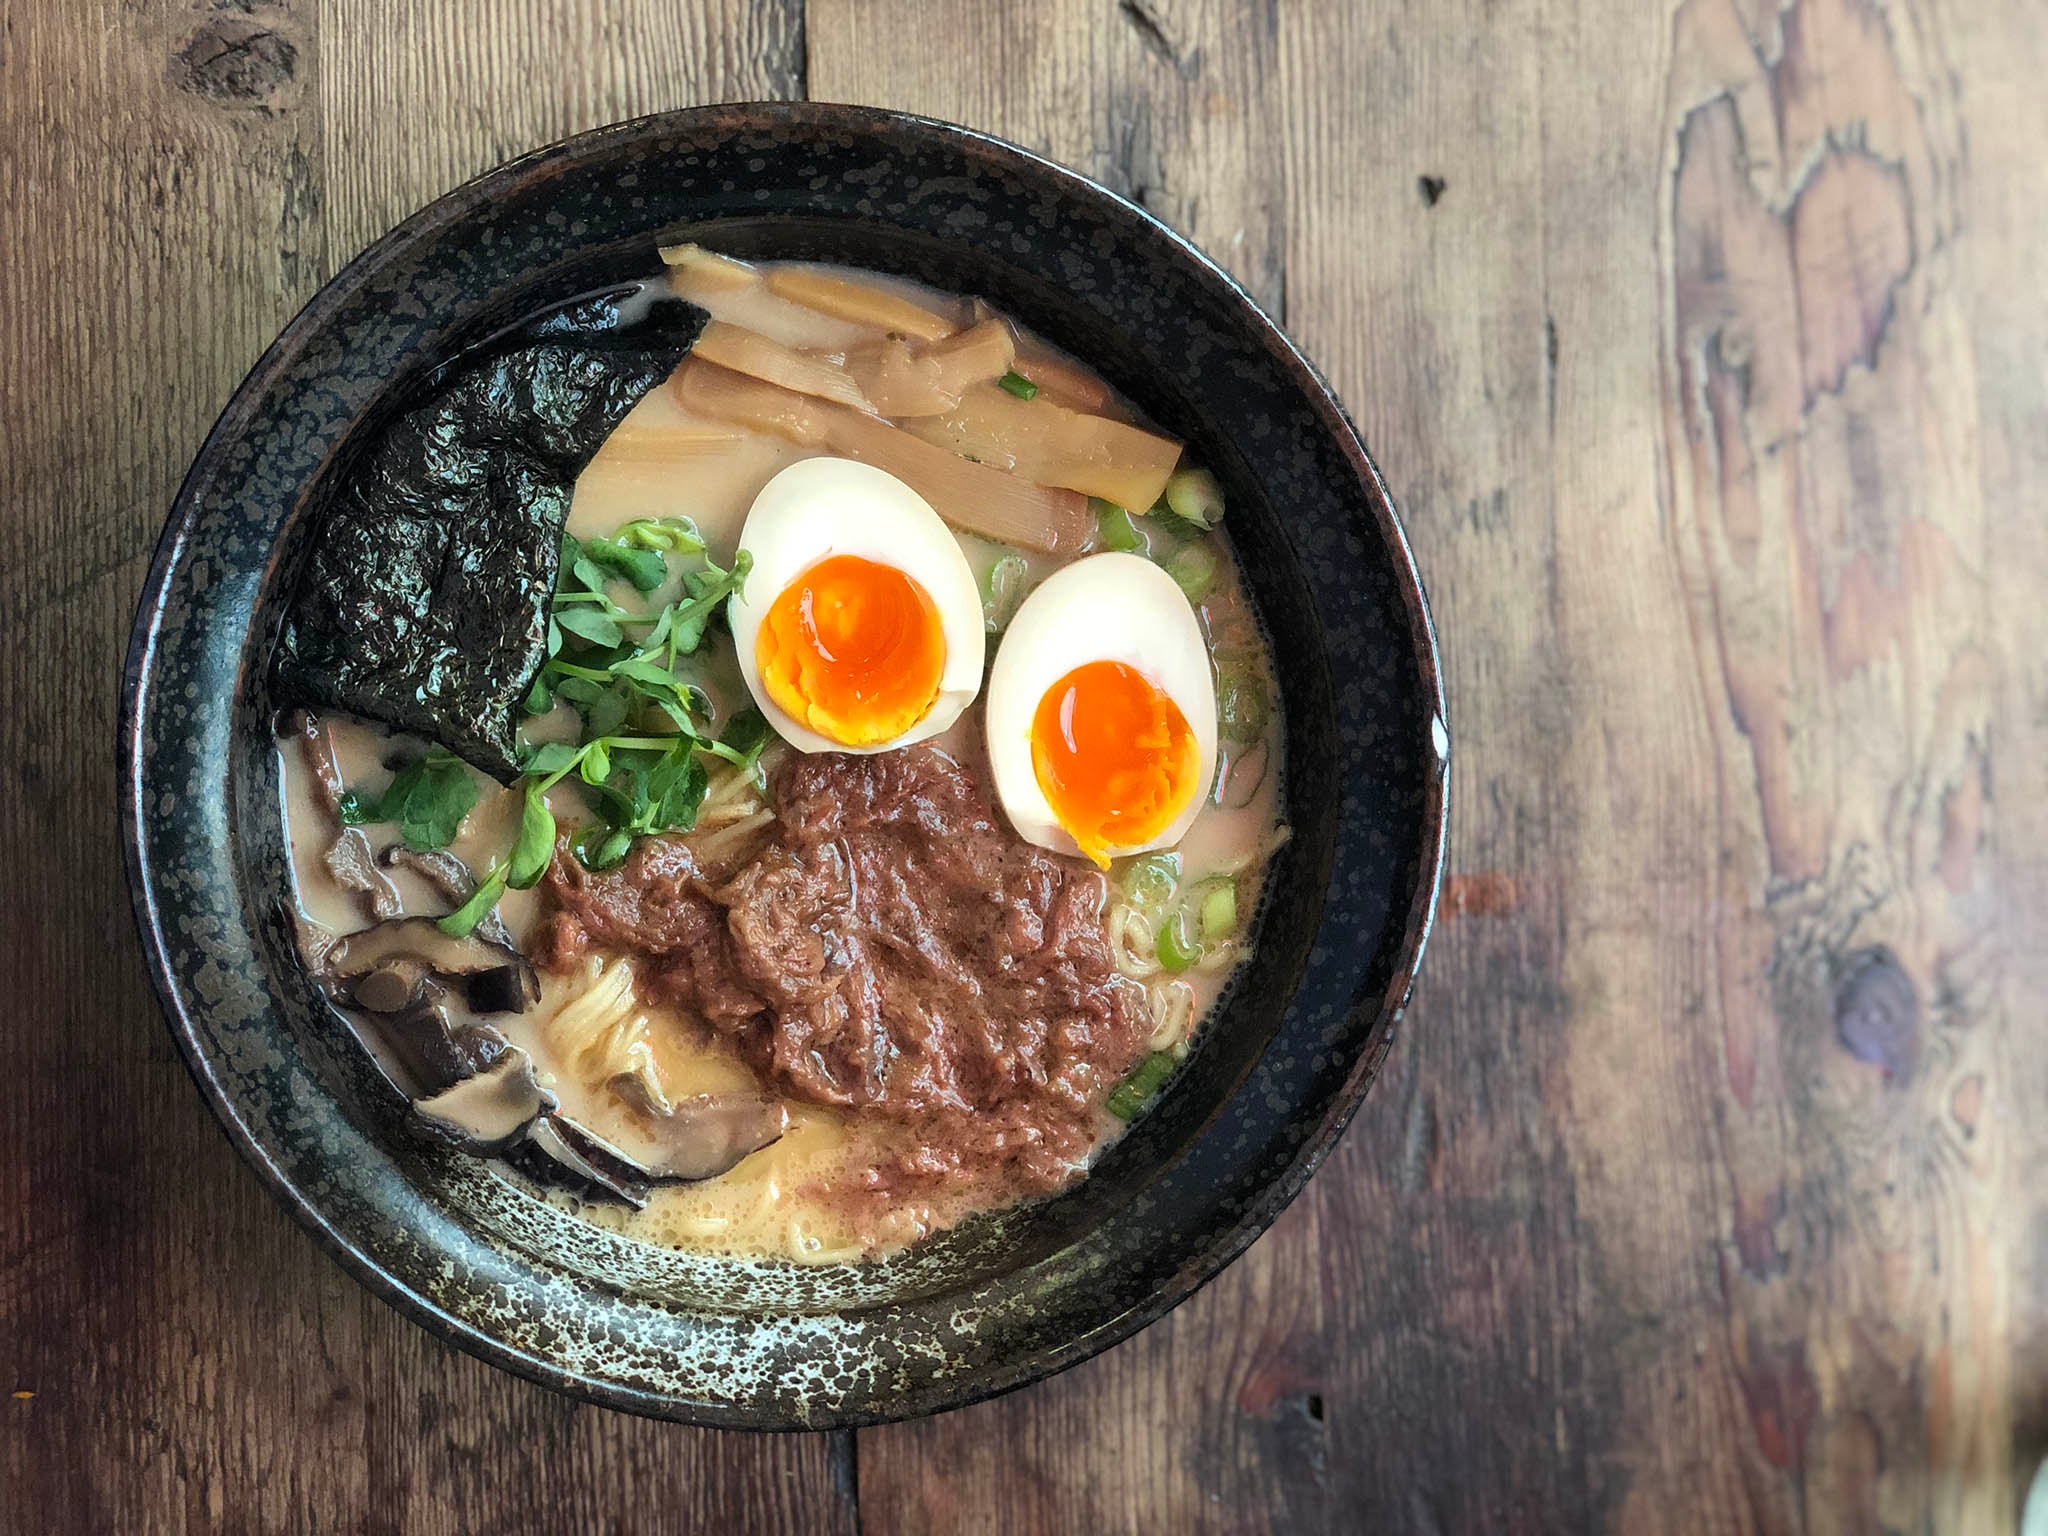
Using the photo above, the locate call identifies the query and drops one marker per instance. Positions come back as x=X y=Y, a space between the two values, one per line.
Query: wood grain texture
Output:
x=174 y=182
x=1704 y=1192
x=1702 y=343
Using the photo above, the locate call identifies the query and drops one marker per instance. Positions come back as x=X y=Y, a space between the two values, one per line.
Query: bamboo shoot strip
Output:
x=1063 y=382
x=808 y=373
x=971 y=496
x=1052 y=445
x=902 y=378
x=693 y=267
x=858 y=302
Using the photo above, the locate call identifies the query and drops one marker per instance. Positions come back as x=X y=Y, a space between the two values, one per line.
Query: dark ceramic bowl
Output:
x=463 y=1246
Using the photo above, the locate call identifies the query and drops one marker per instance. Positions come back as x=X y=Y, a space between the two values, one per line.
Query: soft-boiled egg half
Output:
x=860 y=625
x=1101 y=712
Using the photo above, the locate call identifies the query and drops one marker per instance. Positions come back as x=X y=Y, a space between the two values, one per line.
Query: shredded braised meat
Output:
x=894 y=950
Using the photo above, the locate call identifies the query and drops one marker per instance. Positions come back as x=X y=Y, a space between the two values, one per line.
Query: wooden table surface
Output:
x=1706 y=349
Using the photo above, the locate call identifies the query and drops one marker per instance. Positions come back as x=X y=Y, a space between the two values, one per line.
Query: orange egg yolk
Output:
x=1114 y=756
x=853 y=649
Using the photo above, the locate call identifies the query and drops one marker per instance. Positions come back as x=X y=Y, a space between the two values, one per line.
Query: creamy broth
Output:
x=785 y=1201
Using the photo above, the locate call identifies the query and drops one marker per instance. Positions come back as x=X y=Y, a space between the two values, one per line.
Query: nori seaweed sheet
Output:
x=423 y=599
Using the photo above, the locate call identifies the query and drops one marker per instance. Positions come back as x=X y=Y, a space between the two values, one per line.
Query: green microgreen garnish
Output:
x=458 y=923
x=670 y=535
x=428 y=799
x=645 y=726
x=644 y=568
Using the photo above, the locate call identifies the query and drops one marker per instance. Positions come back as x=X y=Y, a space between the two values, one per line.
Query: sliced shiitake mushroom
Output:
x=394 y=986
x=316 y=751
x=479 y=1090
x=488 y=1111
x=509 y=988
x=450 y=878
x=348 y=860
x=592 y=1159
x=435 y=1048
x=494 y=977
x=700 y=1139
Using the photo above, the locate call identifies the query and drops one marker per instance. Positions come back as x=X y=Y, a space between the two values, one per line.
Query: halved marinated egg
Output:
x=860 y=625
x=1101 y=712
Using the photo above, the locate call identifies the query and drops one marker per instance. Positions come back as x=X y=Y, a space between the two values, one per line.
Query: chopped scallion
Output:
x=1002 y=589
x=1219 y=910
x=1193 y=494
x=1115 y=530
x=1242 y=705
x=1150 y=881
x=1176 y=950
x=1018 y=385
x=1137 y=1090
x=1194 y=571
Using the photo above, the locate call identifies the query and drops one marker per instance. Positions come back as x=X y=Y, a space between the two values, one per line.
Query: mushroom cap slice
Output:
x=393 y=986
x=491 y=1110
x=436 y=1048
x=495 y=977
x=592 y=1159
x=452 y=879
x=702 y=1137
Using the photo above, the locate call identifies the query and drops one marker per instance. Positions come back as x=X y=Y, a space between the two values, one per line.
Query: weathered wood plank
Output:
x=1167 y=104
x=1310 y=1387
x=1631 y=1227
x=482 y=87
x=1702 y=345
x=1826 y=509
x=174 y=182
x=154 y=226
x=1997 y=59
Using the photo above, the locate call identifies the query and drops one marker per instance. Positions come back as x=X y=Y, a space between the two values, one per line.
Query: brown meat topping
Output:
x=896 y=951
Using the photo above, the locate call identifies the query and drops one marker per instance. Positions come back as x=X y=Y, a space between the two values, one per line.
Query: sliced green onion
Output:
x=1176 y=950
x=1219 y=909
x=1137 y=1090
x=1115 y=530
x=1018 y=385
x=1150 y=881
x=1002 y=589
x=1194 y=571
x=1194 y=494
x=1169 y=529
x=1242 y=704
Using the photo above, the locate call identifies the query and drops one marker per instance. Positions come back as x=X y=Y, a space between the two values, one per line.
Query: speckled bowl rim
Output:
x=1213 y=1254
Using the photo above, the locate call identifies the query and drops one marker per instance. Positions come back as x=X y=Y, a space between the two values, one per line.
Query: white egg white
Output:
x=1110 y=607
x=821 y=507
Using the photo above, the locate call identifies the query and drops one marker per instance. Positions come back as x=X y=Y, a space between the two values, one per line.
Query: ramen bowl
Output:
x=473 y=1253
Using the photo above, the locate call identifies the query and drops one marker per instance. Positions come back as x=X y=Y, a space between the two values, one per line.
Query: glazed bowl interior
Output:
x=467 y=1246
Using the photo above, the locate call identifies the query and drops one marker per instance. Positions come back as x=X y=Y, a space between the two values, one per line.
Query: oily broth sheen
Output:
x=779 y=1203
